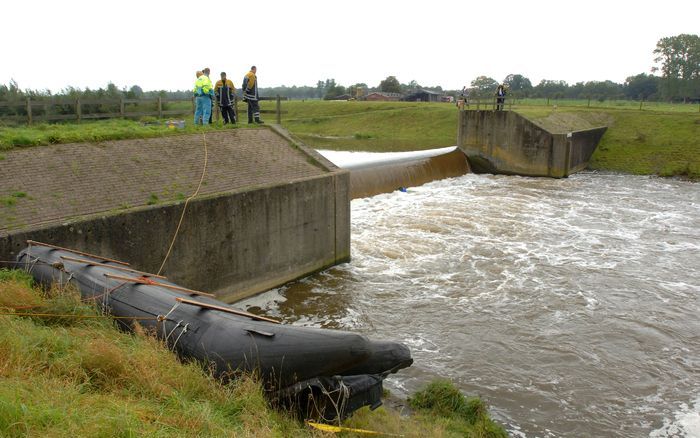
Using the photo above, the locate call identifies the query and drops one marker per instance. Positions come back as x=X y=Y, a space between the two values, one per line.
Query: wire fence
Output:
x=514 y=103
x=52 y=110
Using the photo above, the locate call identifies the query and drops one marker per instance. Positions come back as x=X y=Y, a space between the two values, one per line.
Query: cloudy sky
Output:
x=160 y=44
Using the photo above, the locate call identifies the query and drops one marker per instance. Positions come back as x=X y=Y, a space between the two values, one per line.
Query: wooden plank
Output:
x=156 y=283
x=226 y=309
x=87 y=254
x=118 y=268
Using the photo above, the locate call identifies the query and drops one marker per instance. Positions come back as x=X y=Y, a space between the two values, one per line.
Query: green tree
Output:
x=334 y=91
x=551 y=88
x=390 y=85
x=358 y=90
x=484 y=86
x=680 y=65
x=518 y=85
x=641 y=86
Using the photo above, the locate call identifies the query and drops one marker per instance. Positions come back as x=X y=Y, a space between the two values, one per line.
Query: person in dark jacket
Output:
x=225 y=93
x=500 y=97
x=250 y=95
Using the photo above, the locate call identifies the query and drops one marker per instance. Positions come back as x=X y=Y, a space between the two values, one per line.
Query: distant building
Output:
x=423 y=96
x=380 y=95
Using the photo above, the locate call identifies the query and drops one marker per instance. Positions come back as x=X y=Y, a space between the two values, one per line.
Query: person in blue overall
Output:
x=203 y=93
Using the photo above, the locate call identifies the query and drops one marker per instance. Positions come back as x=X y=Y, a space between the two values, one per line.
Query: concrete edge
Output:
x=307 y=150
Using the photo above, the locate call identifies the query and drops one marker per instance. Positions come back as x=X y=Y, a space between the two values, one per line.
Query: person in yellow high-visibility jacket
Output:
x=203 y=93
x=250 y=95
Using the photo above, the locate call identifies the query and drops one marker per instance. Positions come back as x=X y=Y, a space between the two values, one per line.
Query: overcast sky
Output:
x=160 y=44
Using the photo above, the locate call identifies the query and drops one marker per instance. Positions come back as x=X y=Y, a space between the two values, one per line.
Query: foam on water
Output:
x=571 y=306
x=685 y=422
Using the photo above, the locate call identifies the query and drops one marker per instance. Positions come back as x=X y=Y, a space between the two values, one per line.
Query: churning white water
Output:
x=571 y=306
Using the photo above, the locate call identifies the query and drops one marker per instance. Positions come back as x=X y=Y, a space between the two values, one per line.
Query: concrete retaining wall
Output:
x=505 y=142
x=233 y=244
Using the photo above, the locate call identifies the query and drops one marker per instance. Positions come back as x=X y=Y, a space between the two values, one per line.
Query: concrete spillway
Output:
x=375 y=173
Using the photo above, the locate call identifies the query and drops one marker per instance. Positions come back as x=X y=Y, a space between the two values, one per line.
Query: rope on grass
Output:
x=184 y=209
x=69 y=315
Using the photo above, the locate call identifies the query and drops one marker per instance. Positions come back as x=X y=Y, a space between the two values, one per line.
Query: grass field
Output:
x=76 y=375
x=660 y=139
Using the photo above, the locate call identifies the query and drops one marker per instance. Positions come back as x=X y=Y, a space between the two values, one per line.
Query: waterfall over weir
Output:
x=375 y=173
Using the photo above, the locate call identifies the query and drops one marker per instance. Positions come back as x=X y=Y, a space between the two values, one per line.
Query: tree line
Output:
x=675 y=78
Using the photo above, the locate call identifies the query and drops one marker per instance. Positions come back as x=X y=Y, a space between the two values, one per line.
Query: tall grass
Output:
x=78 y=376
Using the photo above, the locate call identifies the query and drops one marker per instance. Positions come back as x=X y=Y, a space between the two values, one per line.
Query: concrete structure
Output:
x=270 y=209
x=386 y=177
x=504 y=142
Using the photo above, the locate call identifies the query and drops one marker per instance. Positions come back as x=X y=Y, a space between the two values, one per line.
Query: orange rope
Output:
x=196 y=192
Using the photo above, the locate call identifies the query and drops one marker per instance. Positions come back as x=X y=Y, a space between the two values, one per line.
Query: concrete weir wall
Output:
x=233 y=243
x=373 y=180
x=505 y=142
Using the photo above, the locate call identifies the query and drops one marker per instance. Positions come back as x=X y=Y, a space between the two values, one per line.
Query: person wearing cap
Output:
x=225 y=92
x=250 y=95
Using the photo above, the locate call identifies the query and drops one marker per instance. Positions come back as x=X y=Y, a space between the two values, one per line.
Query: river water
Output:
x=571 y=306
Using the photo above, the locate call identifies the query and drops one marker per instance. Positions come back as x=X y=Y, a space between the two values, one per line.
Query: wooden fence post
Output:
x=279 y=110
x=160 y=107
x=78 y=109
x=29 y=110
x=121 y=107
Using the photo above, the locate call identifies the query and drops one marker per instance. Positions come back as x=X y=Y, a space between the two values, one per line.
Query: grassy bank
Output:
x=75 y=375
x=660 y=139
x=42 y=134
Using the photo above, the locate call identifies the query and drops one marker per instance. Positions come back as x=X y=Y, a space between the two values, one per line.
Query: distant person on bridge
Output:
x=225 y=92
x=500 y=97
x=202 y=94
x=250 y=95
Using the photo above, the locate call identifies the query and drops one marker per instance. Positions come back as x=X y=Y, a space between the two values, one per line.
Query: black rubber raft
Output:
x=322 y=373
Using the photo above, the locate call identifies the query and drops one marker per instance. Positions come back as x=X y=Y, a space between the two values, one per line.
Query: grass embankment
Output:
x=77 y=376
x=661 y=139
x=662 y=142
x=92 y=131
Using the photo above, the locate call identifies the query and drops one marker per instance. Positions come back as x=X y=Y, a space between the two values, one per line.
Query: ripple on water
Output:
x=570 y=305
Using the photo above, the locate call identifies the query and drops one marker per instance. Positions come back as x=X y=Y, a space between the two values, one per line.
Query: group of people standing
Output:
x=224 y=94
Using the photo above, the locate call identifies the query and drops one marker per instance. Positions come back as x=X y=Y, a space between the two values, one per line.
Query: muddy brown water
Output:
x=571 y=306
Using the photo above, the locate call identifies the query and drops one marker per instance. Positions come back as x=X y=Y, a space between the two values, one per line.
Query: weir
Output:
x=271 y=210
x=375 y=173
x=505 y=142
